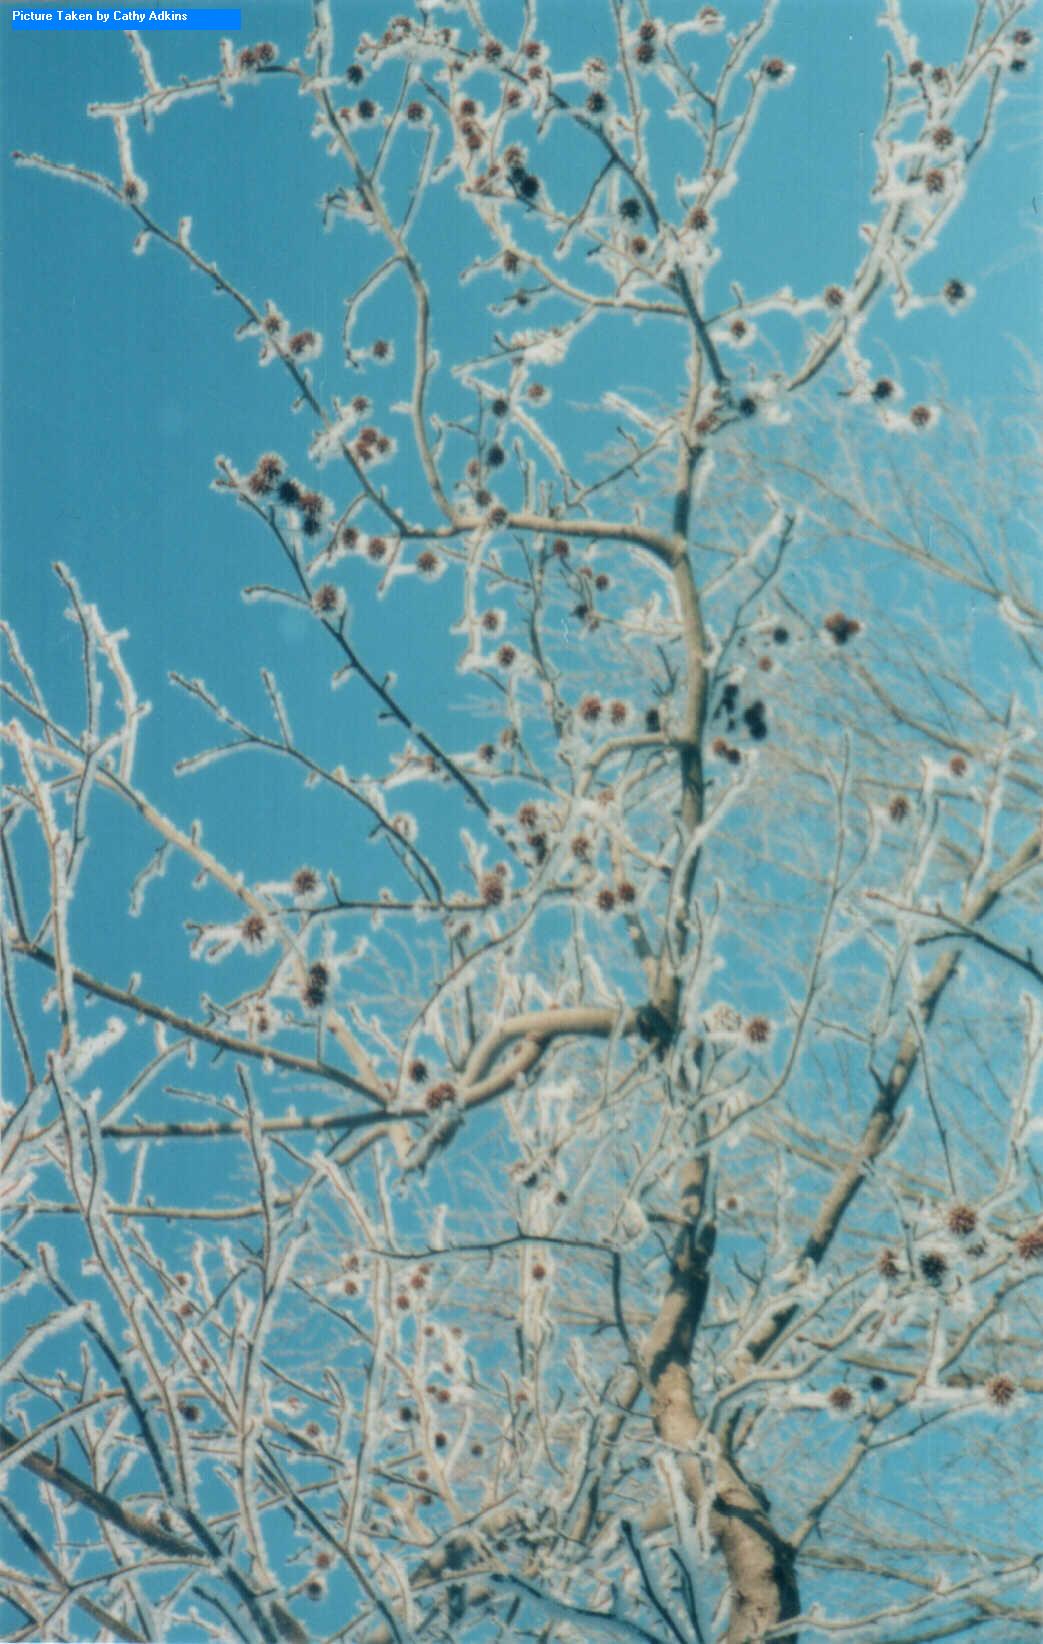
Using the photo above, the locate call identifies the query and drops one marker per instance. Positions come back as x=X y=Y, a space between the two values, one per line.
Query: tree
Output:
x=622 y=1223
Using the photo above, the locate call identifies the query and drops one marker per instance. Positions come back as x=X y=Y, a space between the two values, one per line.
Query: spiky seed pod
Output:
x=326 y=600
x=962 y=1220
x=491 y=890
x=1000 y=1390
x=254 y=930
x=1029 y=1245
x=305 y=882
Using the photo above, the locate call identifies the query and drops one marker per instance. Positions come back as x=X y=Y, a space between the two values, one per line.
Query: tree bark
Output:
x=759 y=1562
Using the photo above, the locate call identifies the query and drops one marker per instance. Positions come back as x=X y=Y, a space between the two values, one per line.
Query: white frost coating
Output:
x=595 y=1624
x=536 y=1328
x=599 y=984
x=122 y=135
x=88 y=1050
x=693 y=1532
x=43 y=1435
x=155 y=868
x=144 y=60
x=905 y=40
x=1016 y=618
x=613 y=401
x=259 y=595
x=320 y=40
x=549 y=347
x=278 y=705
x=634 y=1222
x=60 y=851
x=38 y=1333
x=215 y=942
x=133 y=710
x=546 y=444
x=326 y=443
x=437 y=1136
x=737 y=333
x=12 y=1189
